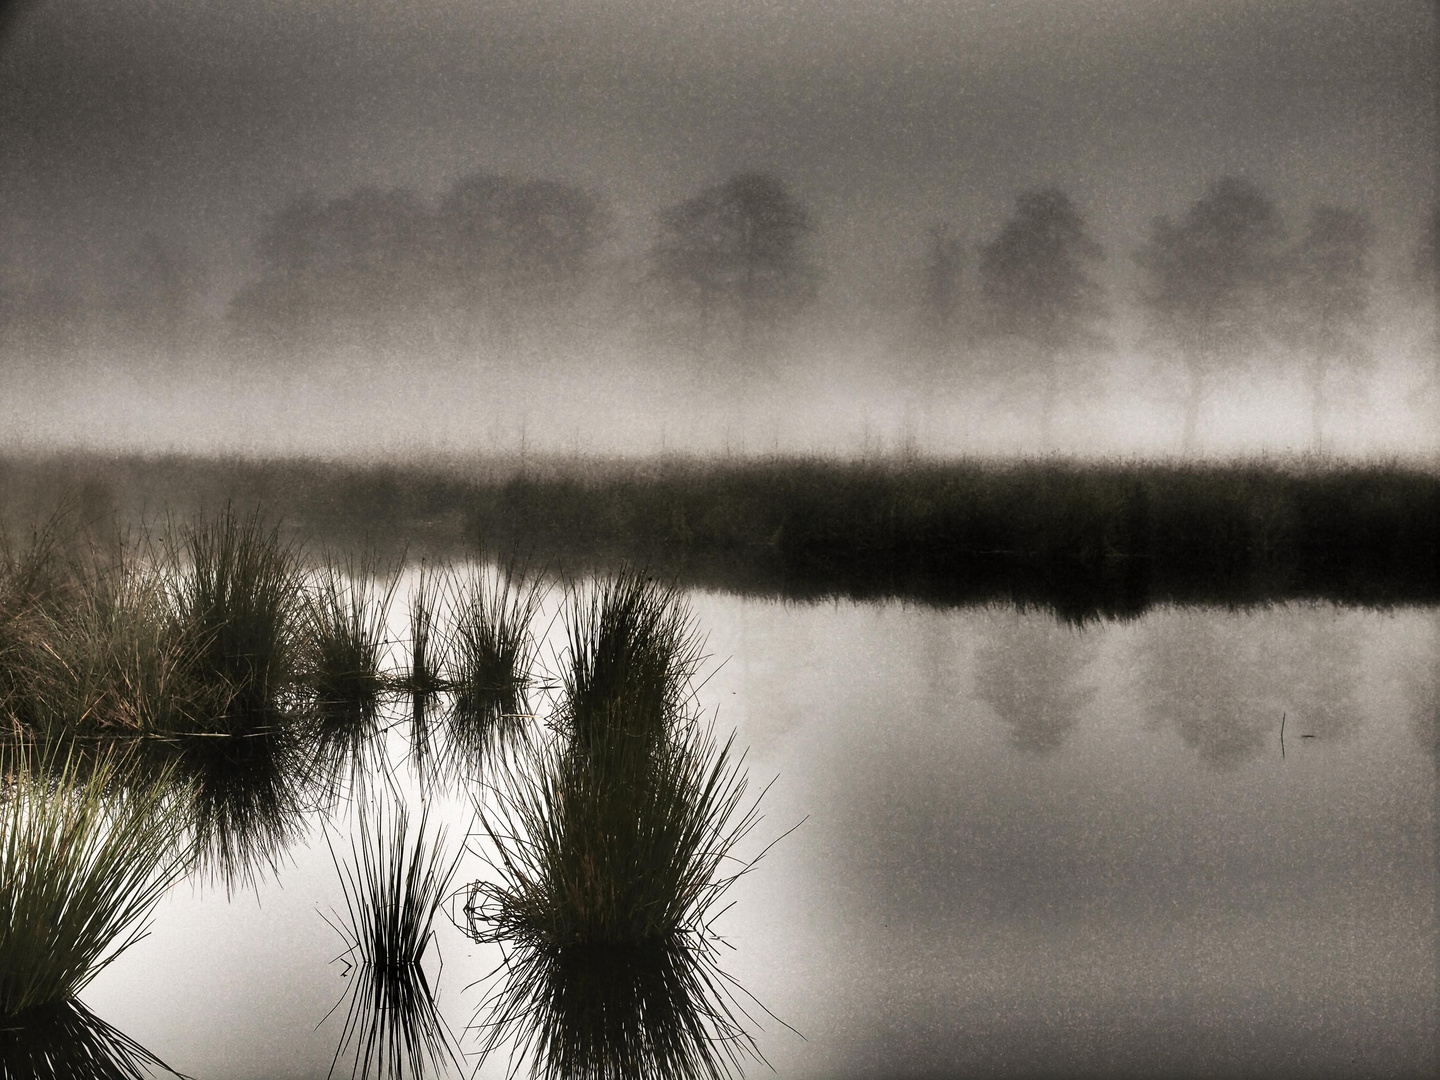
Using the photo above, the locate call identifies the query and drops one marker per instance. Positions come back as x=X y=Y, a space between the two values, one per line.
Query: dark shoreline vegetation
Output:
x=193 y=706
x=1085 y=540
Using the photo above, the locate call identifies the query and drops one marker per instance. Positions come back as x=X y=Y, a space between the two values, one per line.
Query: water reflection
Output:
x=1224 y=683
x=1038 y=896
x=1031 y=671
x=1421 y=683
x=67 y=1041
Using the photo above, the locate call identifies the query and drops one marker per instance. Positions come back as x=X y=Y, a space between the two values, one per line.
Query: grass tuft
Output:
x=83 y=862
x=238 y=595
x=425 y=681
x=346 y=627
x=67 y=1041
x=393 y=887
x=491 y=662
x=633 y=650
x=610 y=846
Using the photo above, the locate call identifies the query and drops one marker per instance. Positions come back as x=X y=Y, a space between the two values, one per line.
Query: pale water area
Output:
x=1023 y=848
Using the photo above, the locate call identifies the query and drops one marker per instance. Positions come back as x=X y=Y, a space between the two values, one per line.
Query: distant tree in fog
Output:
x=1206 y=283
x=1327 y=282
x=157 y=297
x=735 y=256
x=356 y=268
x=513 y=244
x=1038 y=291
x=41 y=319
x=1425 y=271
x=942 y=283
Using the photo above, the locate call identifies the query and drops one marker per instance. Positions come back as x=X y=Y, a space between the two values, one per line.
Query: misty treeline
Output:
x=499 y=272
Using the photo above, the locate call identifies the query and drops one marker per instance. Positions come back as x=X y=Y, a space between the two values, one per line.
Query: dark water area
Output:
x=1028 y=849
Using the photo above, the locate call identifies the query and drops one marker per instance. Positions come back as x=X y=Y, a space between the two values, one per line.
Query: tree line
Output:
x=732 y=269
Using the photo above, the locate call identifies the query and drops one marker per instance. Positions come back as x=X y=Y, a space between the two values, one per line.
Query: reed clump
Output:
x=393 y=886
x=609 y=845
x=84 y=859
x=346 y=617
x=67 y=1041
x=491 y=663
x=238 y=596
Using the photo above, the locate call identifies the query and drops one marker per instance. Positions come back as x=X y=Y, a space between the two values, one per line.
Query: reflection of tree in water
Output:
x=1422 y=688
x=1029 y=670
x=1225 y=681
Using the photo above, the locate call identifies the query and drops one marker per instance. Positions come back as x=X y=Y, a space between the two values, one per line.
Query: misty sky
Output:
x=198 y=117
x=197 y=120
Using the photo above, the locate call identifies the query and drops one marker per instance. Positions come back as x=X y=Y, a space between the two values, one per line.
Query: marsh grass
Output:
x=347 y=611
x=424 y=680
x=84 y=860
x=491 y=663
x=238 y=594
x=633 y=649
x=393 y=886
x=612 y=849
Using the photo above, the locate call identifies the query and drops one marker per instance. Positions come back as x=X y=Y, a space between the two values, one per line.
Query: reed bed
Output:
x=393 y=886
x=610 y=845
x=1086 y=538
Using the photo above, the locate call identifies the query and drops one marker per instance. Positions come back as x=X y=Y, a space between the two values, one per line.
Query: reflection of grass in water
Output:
x=249 y=796
x=423 y=681
x=67 y=1041
x=346 y=619
x=392 y=890
x=83 y=862
x=491 y=657
x=608 y=845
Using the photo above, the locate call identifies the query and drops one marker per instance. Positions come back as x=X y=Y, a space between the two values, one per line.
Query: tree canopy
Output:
x=736 y=254
x=1327 y=282
x=1037 y=286
x=1207 y=282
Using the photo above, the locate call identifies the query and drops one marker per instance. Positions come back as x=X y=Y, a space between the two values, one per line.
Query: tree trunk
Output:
x=1052 y=396
x=1195 y=392
x=1317 y=405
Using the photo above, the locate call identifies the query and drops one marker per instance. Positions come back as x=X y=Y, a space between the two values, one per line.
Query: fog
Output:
x=727 y=228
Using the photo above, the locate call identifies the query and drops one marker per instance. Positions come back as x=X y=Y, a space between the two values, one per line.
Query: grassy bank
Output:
x=1085 y=539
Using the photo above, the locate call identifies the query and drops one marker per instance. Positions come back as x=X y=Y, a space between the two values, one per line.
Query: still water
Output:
x=1027 y=849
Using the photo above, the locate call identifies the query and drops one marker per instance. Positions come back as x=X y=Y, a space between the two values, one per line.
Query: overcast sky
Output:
x=198 y=116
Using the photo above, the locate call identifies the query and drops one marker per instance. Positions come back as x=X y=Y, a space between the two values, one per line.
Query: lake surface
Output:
x=1027 y=849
